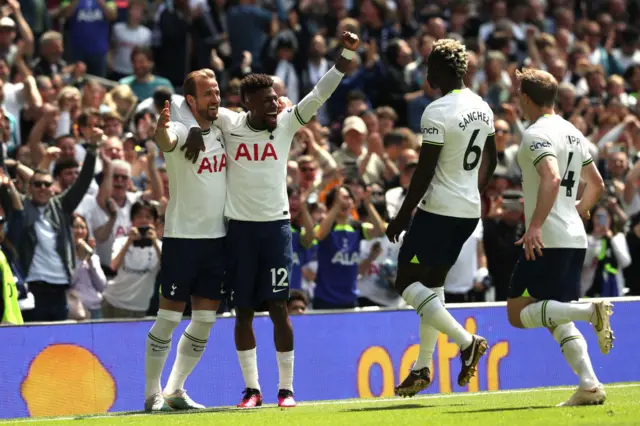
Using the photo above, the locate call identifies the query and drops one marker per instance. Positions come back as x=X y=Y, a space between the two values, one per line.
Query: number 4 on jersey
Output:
x=567 y=179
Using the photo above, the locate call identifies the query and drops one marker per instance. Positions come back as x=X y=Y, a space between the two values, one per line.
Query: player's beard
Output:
x=208 y=115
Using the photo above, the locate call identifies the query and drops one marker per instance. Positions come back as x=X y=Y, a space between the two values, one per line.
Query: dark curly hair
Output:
x=253 y=83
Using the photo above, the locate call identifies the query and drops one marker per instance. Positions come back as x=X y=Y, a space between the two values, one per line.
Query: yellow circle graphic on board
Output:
x=67 y=380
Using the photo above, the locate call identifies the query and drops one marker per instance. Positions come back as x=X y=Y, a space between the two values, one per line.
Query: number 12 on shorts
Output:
x=279 y=277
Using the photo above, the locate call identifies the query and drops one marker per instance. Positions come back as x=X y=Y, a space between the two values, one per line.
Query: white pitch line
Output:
x=334 y=402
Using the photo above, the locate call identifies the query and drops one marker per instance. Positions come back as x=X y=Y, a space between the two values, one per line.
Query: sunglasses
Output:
x=42 y=184
x=121 y=177
x=308 y=169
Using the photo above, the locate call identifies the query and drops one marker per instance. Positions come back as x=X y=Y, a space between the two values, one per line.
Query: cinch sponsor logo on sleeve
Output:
x=429 y=131
x=538 y=145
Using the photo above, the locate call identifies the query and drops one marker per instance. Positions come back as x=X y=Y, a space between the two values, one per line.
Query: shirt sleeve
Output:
x=180 y=131
x=586 y=154
x=180 y=112
x=226 y=119
x=311 y=103
x=432 y=127
x=536 y=148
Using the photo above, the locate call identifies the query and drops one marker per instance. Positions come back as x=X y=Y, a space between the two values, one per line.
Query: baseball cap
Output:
x=354 y=123
x=7 y=22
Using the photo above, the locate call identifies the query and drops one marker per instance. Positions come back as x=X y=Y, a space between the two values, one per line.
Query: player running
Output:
x=259 y=231
x=193 y=246
x=554 y=156
x=455 y=128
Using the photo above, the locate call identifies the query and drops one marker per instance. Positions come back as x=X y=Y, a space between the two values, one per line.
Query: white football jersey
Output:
x=551 y=135
x=459 y=122
x=197 y=191
x=257 y=176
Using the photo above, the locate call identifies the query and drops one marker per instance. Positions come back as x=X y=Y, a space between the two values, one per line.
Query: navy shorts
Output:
x=259 y=261
x=435 y=240
x=192 y=267
x=553 y=276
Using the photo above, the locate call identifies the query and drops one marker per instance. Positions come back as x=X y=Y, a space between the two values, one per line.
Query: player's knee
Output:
x=244 y=317
x=171 y=305
x=513 y=314
x=202 y=304
x=278 y=312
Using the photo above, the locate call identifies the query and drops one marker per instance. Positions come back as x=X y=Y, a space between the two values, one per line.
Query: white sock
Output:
x=249 y=366
x=285 y=370
x=549 y=313
x=428 y=337
x=190 y=349
x=574 y=349
x=433 y=312
x=158 y=345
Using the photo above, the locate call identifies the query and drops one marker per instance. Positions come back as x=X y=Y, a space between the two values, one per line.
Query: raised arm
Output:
x=311 y=103
x=166 y=140
x=72 y=197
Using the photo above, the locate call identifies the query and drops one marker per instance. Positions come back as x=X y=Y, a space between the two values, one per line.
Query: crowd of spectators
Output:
x=82 y=228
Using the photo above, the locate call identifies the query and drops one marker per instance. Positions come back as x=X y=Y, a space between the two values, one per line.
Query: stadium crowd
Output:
x=82 y=179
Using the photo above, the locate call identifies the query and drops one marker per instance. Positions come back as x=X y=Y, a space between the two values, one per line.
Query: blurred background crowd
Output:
x=72 y=218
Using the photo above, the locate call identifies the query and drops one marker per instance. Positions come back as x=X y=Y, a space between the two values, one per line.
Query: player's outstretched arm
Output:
x=329 y=82
x=165 y=139
x=592 y=191
x=547 y=168
x=489 y=162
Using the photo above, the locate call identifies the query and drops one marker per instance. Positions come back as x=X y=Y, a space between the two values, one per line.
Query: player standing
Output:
x=554 y=156
x=192 y=262
x=259 y=231
x=455 y=128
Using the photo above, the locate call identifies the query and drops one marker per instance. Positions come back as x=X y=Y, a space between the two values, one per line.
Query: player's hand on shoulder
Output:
x=350 y=40
x=165 y=116
x=532 y=240
x=193 y=145
x=284 y=103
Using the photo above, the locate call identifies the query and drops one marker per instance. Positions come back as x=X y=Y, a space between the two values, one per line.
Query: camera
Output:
x=144 y=241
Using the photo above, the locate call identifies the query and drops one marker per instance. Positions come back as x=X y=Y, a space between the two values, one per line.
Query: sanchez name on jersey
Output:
x=459 y=122
x=198 y=191
x=551 y=135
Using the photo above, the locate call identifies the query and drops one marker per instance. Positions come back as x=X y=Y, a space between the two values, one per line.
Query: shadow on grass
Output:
x=494 y=410
x=398 y=407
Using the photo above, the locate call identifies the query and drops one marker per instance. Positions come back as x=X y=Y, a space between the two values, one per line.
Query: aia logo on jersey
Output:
x=214 y=165
x=429 y=131
x=255 y=152
x=538 y=145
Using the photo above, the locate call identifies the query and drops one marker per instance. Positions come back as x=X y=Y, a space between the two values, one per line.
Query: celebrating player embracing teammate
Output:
x=259 y=253
x=192 y=262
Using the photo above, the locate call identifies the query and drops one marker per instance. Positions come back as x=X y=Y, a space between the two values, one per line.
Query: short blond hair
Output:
x=449 y=55
x=540 y=86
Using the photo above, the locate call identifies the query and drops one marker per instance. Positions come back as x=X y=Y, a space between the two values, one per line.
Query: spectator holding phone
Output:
x=136 y=258
x=607 y=255
x=88 y=279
